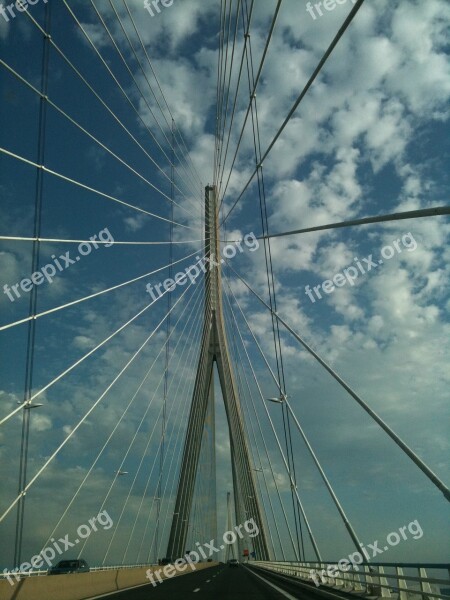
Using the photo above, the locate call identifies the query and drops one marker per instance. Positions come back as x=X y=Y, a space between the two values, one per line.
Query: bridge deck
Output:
x=220 y=583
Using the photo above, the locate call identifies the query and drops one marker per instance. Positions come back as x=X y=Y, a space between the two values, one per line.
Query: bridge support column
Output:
x=215 y=350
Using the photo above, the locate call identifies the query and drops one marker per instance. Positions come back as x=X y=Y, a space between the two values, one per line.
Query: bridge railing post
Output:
x=401 y=584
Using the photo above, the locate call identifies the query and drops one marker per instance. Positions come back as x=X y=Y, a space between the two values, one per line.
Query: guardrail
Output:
x=6 y=574
x=404 y=581
x=123 y=566
x=40 y=572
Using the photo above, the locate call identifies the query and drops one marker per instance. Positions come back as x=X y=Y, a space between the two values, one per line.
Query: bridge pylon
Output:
x=214 y=350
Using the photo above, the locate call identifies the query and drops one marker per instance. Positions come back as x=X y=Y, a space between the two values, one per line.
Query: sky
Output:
x=370 y=137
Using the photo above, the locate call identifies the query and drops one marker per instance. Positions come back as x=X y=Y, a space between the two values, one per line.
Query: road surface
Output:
x=216 y=583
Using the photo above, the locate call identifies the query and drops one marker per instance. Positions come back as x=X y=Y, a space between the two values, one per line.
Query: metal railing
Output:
x=38 y=573
x=112 y=567
x=403 y=581
x=15 y=574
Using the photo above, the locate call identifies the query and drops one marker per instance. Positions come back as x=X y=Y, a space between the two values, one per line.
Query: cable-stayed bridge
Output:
x=155 y=417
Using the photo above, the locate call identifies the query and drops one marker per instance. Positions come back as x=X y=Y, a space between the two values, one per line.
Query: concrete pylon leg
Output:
x=215 y=350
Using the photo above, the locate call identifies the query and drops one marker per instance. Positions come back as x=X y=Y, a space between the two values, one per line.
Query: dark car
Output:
x=166 y=561
x=69 y=566
x=233 y=562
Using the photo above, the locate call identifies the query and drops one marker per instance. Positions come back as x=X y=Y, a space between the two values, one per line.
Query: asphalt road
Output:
x=217 y=583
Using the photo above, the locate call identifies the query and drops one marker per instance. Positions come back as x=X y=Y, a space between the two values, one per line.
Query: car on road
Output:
x=69 y=566
x=233 y=562
x=166 y=561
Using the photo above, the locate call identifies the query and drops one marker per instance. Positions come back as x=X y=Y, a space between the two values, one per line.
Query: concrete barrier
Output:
x=81 y=586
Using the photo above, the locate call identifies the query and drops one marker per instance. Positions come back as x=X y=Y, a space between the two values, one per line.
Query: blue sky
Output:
x=371 y=137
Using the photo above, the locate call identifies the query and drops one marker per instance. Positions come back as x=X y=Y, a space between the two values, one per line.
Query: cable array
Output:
x=167 y=418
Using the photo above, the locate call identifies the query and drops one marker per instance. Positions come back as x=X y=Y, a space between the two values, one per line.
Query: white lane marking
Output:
x=197 y=590
x=127 y=589
x=285 y=594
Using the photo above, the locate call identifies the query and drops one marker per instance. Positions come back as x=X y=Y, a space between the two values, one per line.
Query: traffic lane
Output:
x=230 y=583
x=221 y=583
x=175 y=588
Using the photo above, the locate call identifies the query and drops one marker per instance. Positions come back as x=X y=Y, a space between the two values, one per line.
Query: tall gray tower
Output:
x=215 y=350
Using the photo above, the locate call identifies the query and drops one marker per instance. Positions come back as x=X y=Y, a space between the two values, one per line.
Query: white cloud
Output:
x=353 y=148
x=135 y=223
x=41 y=422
